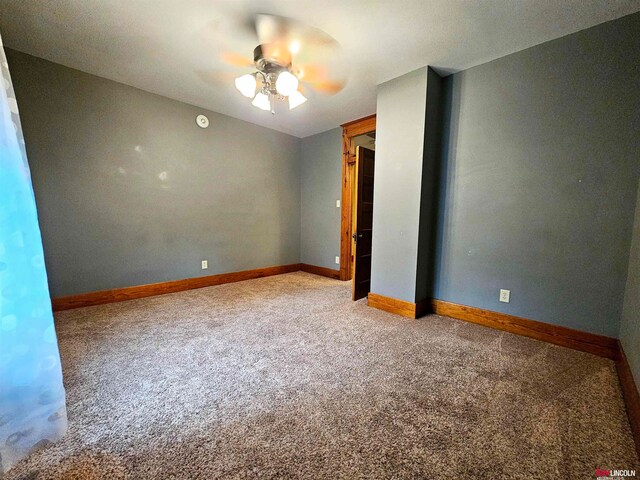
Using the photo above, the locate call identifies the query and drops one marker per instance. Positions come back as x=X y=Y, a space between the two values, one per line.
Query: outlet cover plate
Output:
x=505 y=295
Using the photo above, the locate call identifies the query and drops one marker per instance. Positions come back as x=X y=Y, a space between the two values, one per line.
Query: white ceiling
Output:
x=161 y=45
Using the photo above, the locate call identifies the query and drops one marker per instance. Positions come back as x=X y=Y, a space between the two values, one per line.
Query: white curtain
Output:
x=32 y=402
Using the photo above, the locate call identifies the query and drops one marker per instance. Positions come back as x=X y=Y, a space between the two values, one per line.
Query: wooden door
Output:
x=365 y=163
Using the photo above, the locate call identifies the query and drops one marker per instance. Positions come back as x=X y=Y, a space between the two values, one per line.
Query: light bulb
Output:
x=286 y=84
x=295 y=99
x=262 y=102
x=246 y=84
x=294 y=47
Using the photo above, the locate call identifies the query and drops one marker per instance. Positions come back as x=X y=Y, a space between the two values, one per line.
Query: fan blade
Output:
x=270 y=28
x=221 y=41
x=277 y=29
x=277 y=52
x=215 y=78
x=311 y=73
x=322 y=79
x=286 y=41
x=330 y=88
x=236 y=60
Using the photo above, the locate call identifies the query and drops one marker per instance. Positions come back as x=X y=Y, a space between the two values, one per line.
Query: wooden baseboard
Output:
x=630 y=395
x=392 y=305
x=566 y=337
x=322 y=271
x=140 y=291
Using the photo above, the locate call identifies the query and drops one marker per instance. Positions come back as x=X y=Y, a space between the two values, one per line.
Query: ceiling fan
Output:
x=291 y=59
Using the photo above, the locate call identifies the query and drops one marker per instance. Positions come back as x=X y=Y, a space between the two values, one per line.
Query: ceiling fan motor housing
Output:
x=271 y=58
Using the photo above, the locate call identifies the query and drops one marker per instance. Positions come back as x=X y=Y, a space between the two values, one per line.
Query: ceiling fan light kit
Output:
x=262 y=102
x=272 y=81
x=296 y=99
x=320 y=64
x=247 y=84
x=286 y=84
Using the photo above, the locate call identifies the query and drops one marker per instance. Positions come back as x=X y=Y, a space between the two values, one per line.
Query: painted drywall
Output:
x=429 y=194
x=320 y=181
x=400 y=124
x=630 y=325
x=539 y=178
x=130 y=191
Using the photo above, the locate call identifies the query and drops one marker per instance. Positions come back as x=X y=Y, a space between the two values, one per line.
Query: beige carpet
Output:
x=285 y=377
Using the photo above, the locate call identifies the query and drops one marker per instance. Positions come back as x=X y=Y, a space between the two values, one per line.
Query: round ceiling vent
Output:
x=202 y=121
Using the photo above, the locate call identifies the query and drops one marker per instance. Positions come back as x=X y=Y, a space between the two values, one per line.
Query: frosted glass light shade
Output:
x=246 y=84
x=295 y=99
x=262 y=102
x=286 y=84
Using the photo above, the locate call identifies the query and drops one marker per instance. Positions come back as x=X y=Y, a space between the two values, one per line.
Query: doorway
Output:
x=358 y=160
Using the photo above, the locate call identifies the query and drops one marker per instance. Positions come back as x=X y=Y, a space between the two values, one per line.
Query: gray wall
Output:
x=427 y=235
x=320 y=179
x=539 y=179
x=400 y=124
x=131 y=191
x=630 y=326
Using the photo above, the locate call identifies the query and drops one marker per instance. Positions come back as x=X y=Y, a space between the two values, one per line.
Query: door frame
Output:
x=349 y=130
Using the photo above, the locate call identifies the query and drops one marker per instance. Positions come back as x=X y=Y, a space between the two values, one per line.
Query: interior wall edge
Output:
x=629 y=333
x=400 y=134
x=630 y=395
x=430 y=204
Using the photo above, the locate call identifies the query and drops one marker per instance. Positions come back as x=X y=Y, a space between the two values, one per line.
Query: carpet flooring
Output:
x=286 y=377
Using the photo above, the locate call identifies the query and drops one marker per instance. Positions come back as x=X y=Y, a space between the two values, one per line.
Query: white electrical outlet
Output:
x=505 y=295
x=337 y=260
x=205 y=264
x=337 y=203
